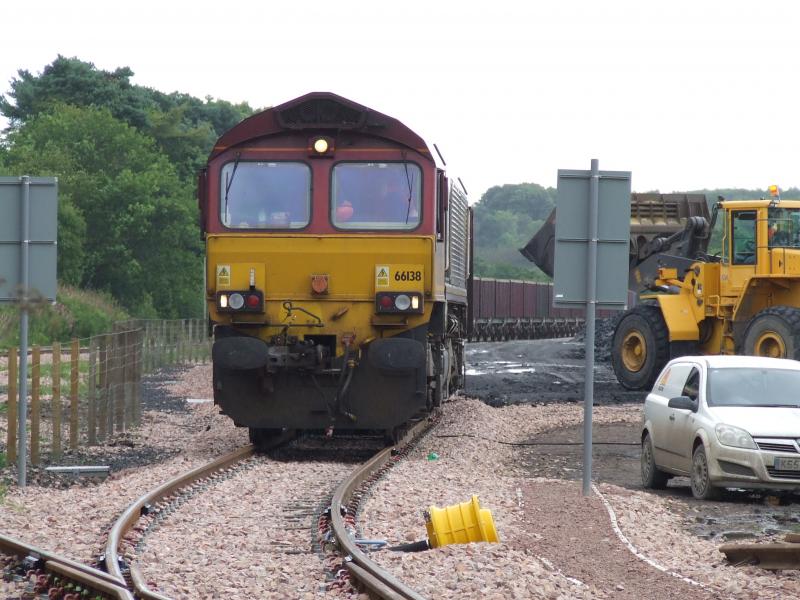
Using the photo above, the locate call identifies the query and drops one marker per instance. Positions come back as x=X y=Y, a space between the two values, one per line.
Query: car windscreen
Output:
x=752 y=386
x=376 y=196
x=265 y=195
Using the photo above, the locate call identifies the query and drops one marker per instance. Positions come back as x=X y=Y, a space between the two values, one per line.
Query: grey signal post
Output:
x=593 y=211
x=27 y=268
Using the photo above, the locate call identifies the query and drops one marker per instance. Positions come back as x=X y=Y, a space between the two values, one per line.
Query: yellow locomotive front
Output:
x=337 y=259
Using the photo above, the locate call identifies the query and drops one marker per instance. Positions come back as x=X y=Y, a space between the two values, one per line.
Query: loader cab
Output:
x=741 y=247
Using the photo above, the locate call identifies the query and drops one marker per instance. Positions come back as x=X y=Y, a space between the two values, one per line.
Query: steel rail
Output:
x=131 y=515
x=85 y=575
x=378 y=581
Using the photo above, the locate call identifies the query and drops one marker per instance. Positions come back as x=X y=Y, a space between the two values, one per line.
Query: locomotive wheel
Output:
x=774 y=332
x=640 y=347
x=260 y=438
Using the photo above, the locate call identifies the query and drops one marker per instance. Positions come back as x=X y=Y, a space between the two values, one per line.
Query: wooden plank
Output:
x=55 y=405
x=74 y=362
x=13 y=416
x=35 y=407
x=92 y=393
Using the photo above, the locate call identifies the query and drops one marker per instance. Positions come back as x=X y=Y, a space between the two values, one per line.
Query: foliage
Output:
x=127 y=223
x=506 y=217
x=71 y=81
x=183 y=126
x=76 y=313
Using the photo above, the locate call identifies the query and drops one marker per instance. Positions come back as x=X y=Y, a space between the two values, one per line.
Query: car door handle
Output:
x=672 y=417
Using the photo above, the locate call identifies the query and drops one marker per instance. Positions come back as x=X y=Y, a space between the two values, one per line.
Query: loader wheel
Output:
x=640 y=347
x=774 y=332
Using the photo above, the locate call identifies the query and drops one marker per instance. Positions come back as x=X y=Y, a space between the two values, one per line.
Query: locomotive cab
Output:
x=337 y=263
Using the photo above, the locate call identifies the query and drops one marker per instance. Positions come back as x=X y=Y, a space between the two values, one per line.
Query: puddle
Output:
x=759 y=521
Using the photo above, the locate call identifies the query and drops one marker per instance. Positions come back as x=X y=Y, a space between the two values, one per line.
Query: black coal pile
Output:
x=603 y=336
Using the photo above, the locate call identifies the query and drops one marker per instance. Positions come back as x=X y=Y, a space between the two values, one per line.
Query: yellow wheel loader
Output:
x=744 y=300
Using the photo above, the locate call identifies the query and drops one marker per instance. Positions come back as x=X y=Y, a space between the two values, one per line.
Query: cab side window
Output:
x=743 y=237
x=692 y=386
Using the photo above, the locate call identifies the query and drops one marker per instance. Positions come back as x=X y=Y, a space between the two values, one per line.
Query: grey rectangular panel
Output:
x=572 y=233
x=43 y=198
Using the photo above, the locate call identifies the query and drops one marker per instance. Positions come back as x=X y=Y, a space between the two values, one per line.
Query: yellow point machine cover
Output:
x=460 y=524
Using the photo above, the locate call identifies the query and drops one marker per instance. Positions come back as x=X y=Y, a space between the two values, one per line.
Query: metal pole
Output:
x=22 y=453
x=591 y=301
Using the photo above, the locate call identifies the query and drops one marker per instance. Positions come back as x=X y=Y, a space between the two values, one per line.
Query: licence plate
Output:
x=787 y=464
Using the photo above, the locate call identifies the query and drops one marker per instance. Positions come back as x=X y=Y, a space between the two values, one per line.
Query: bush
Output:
x=76 y=313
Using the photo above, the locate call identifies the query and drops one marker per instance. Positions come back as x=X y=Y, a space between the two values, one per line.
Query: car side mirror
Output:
x=682 y=402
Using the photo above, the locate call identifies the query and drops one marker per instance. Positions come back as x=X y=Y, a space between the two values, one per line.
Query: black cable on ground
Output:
x=480 y=437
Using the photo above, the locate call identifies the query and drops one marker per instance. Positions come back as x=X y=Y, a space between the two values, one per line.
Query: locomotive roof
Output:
x=320 y=112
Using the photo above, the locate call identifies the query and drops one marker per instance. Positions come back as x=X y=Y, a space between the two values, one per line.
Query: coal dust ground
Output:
x=552 y=371
x=539 y=371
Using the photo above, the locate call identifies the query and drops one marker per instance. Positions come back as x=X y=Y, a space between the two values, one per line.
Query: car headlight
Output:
x=728 y=435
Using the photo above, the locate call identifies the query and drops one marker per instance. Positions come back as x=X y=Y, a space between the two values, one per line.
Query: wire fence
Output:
x=88 y=391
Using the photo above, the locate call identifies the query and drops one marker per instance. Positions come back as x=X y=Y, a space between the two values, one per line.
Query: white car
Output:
x=724 y=421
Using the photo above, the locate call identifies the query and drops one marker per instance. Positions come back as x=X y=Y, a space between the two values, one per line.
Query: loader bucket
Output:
x=541 y=249
x=652 y=216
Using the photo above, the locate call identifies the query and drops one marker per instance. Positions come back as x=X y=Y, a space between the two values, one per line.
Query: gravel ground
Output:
x=249 y=536
x=550 y=535
x=72 y=519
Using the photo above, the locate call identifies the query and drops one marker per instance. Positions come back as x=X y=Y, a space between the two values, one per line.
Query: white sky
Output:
x=686 y=94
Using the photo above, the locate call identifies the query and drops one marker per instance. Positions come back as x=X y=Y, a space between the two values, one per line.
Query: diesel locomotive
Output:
x=338 y=254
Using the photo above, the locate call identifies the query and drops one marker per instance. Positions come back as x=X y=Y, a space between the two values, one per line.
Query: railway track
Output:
x=52 y=570
x=289 y=523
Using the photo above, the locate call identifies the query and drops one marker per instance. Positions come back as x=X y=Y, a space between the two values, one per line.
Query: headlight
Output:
x=402 y=302
x=236 y=301
x=728 y=435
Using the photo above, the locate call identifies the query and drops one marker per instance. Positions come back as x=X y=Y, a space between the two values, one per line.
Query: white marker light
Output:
x=321 y=145
x=415 y=302
x=223 y=301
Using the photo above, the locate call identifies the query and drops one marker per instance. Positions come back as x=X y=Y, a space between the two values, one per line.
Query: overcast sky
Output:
x=685 y=94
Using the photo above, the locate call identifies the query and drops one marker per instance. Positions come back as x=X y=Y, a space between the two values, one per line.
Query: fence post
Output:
x=92 y=392
x=11 y=446
x=35 y=408
x=119 y=383
x=74 y=359
x=190 y=341
x=145 y=347
x=55 y=376
x=137 y=376
x=127 y=399
x=102 y=384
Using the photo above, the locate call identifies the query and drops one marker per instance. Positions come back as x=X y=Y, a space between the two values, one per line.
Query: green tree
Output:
x=127 y=220
x=73 y=81
x=506 y=217
x=184 y=127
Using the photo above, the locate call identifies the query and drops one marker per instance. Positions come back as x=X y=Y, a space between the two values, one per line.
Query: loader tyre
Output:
x=774 y=332
x=640 y=347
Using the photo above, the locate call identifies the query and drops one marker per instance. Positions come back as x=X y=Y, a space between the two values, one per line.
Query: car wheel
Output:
x=702 y=488
x=652 y=477
x=640 y=347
